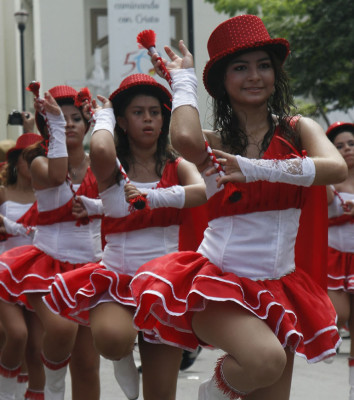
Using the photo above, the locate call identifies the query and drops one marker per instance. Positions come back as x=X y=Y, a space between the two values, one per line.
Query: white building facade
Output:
x=66 y=42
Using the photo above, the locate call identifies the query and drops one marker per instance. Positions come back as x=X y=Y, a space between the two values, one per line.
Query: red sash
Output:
x=341 y=220
x=28 y=219
x=87 y=188
x=192 y=221
x=145 y=218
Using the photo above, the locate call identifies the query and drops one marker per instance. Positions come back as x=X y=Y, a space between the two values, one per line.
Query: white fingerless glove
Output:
x=15 y=229
x=173 y=196
x=184 y=88
x=57 y=138
x=295 y=171
x=93 y=206
x=105 y=120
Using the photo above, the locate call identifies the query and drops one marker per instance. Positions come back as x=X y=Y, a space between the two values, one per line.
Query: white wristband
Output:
x=93 y=206
x=105 y=120
x=173 y=196
x=15 y=229
x=57 y=138
x=295 y=171
x=184 y=88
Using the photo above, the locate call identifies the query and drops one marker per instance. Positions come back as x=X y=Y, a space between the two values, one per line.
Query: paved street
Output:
x=319 y=381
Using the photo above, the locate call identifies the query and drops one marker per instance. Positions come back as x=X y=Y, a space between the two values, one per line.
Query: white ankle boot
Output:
x=208 y=390
x=7 y=388
x=217 y=388
x=54 y=383
x=22 y=383
x=127 y=376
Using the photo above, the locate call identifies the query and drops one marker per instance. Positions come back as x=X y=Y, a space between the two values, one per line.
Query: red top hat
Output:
x=243 y=32
x=23 y=141
x=339 y=127
x=134 y=83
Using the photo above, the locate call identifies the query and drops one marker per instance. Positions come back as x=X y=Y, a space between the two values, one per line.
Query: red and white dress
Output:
x=340 y=245
x=61 y=243
x=250 y=255
x=132 y=239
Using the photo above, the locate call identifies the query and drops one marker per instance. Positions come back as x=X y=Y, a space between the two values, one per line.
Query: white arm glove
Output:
x=15 y=229
x=295 y=171
x=105 y=120
x=173 y=196
x=57 y=138
x=184 y=88
x=93 y=206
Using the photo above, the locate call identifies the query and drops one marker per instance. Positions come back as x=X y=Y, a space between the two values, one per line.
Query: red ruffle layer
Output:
x=340 y=270
x=26 y=269
x=168 y=290
x=74 y=293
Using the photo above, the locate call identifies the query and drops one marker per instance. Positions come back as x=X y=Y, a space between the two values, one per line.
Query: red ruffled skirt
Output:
x=170 y=289
x=75 y=293
x=26 y=269
x=340 y=270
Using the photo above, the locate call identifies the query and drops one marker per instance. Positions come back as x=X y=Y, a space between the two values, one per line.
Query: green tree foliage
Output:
x=321 y=36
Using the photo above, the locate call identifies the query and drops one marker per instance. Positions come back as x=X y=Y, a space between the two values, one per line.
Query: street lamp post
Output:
x=21 y=19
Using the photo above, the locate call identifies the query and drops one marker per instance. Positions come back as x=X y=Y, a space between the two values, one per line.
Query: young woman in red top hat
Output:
x=245 y=290
x=138 y=112
x=340 y=237
x=60 y=173
x=18 y=219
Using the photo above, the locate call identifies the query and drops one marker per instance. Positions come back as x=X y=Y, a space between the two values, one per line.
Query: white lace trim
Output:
x=296 y=171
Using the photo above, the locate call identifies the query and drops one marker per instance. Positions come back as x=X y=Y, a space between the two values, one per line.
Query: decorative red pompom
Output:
x=83 y=95
x=147 y=38
x=34 y=88
x=138 y=203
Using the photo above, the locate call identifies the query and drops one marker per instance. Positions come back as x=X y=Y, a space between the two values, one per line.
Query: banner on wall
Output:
x=126 y=19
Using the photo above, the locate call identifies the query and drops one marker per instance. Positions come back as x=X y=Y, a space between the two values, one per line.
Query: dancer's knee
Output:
x=268 y=366
x=113 y=344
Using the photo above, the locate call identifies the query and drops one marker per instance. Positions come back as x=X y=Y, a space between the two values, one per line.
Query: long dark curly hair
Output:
x=233 y=138
x=164 y=151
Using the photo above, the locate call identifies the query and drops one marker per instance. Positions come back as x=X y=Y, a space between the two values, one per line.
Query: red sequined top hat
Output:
x=134 y=83
x=23 y=141
x=243 y=32
x=339 y=127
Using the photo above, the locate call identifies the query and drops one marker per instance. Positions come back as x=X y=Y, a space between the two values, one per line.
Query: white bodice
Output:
x=125 y=252
x=14 y=211
x=64 y=240
x=340 y=237
x=258 y=245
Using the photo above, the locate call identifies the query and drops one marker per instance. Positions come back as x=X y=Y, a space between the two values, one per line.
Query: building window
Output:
x=176 y=26
x=99 y=28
